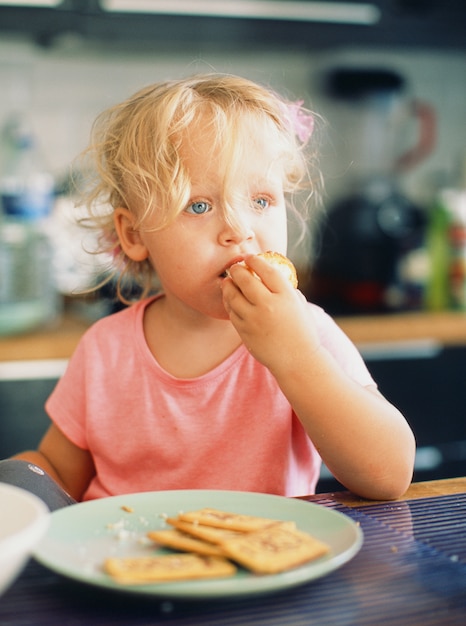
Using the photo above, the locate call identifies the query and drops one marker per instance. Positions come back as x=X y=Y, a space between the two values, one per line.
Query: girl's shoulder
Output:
x=116 y=330
x=321 y=318
x=331 y=335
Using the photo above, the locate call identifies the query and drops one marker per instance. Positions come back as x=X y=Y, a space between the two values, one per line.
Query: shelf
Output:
x=448 y=328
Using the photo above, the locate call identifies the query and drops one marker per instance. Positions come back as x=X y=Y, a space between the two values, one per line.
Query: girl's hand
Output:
x=271 y=317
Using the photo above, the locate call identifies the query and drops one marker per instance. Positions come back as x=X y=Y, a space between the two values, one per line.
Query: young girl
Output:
x=225 y=379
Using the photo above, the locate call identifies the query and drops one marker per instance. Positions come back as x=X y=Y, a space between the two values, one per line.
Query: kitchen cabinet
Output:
x=426 y=381
x=23 y=420
x=408 y=23
x=430 y=391
x=30 y=365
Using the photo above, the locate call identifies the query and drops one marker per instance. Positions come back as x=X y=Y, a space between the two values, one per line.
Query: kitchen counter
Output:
x=55 y=342
x=447 y=328
x=424 y=489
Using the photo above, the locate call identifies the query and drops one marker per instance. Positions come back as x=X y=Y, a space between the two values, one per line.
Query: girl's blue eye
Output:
x=262 y=203
x=198 y=208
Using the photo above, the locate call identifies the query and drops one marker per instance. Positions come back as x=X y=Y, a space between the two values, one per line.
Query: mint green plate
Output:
x=82 y=536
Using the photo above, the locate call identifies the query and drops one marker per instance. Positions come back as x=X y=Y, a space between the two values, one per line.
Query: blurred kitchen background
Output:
x=389 y=78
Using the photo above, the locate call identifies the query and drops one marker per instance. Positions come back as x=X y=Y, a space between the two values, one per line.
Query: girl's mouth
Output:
x=226 y=271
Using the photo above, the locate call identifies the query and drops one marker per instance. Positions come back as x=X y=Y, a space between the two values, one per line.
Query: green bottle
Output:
x=437 y=297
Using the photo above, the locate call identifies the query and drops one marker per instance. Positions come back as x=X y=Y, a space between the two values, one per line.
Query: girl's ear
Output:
x=130 y=239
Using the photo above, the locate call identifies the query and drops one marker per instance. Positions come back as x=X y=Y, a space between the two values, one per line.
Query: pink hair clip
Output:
x=300 y=122
x=111 y=239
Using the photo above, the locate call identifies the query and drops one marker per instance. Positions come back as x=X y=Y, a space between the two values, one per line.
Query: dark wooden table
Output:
x=410 y=571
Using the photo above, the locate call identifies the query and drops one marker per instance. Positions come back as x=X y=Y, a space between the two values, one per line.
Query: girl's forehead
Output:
x=254 y=150
x=245 y=129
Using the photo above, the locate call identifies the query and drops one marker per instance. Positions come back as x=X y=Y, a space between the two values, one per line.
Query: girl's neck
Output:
x=190 y=345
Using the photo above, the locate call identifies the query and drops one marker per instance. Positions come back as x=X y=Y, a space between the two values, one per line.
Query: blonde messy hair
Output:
x=135 y=158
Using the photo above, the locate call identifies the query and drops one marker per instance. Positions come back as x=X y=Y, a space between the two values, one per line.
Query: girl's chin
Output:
x=214 y=310
x=221 y=315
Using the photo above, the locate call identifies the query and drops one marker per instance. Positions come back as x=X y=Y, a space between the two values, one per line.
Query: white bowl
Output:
x=24 y=518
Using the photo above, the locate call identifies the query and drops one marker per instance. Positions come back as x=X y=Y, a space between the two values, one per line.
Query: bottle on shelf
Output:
x=437 y=295
x=446 y=242
x=456 y=202
x=28 y=297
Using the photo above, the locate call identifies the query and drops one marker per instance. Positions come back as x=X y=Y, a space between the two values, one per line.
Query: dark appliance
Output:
x=369 y=251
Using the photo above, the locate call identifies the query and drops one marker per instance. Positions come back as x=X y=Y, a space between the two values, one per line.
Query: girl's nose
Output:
x=236 y=229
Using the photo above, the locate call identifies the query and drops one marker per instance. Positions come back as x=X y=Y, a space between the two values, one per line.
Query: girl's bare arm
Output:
x=362 y=438
x=69 y=465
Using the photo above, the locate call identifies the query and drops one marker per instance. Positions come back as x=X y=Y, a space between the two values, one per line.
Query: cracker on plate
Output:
x=230 y=521
x=206 y=533
x=178 y=540
x=274 y=549
x=167 y=568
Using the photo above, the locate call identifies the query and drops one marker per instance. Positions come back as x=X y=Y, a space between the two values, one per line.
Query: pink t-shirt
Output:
x=231 y=428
